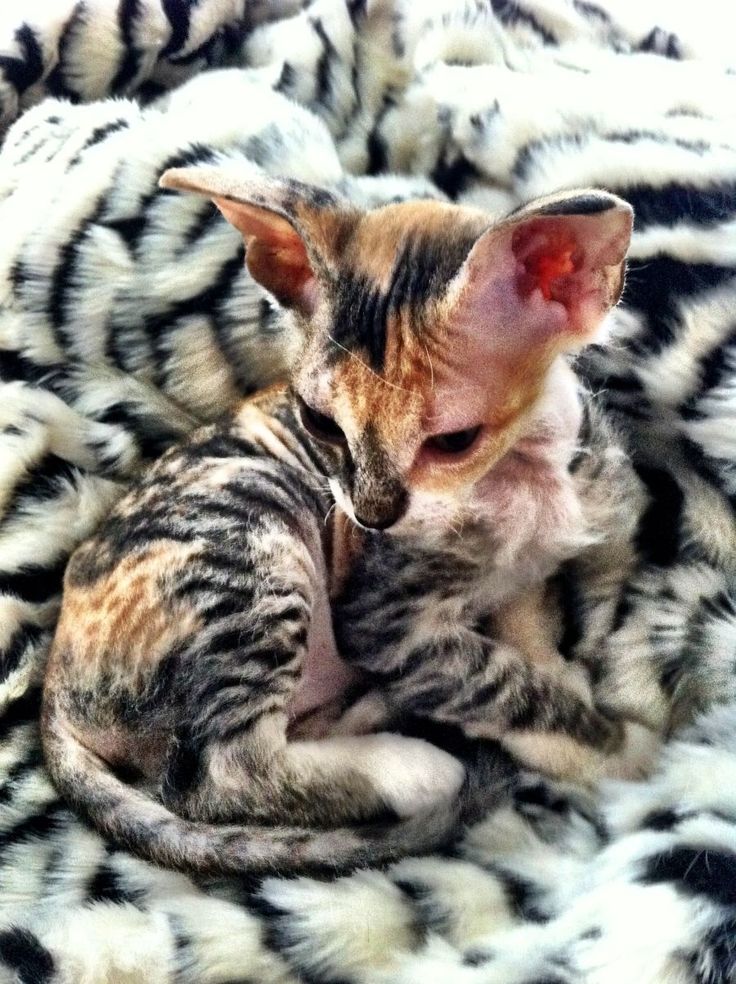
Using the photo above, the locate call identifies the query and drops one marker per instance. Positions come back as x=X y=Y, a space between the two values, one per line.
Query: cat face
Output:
x=429 y=331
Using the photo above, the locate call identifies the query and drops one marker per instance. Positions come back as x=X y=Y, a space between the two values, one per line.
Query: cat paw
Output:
x=366 y=715
x=414 y=776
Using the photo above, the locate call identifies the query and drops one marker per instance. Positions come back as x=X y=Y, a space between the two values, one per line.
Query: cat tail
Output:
x=131 y=817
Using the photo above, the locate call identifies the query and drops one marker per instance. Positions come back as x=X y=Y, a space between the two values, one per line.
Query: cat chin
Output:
x=430 y=515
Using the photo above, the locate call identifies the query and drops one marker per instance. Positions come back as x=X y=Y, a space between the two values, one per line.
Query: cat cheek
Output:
x=429 y=511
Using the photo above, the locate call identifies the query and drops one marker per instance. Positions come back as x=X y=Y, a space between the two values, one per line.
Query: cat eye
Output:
x=454 y=442
x=319 y=425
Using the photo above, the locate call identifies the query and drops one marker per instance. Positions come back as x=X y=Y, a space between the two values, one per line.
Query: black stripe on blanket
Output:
x=715 y=371
x=658 y=536
x=130 y=61
x=22 y=72
x=107 y=885
x=32 y=826
x=18 y=772
x=97 y=136
x=25 y=636
x=57 y=82
x=34 y=582
x=323 y=72
x=696 y=870
x=511 y=14
x=49 y=476
x=572 y=142
x=22 y=951
x=178 y=14
x=150 y=432
x=656 y=284
x=63 y=279
x=281 y=936
x=675 y=202
x=455 y=176
x=20 y=712
x=16 y=366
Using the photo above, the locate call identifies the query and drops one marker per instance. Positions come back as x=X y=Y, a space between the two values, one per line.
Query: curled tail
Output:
x=131 y=817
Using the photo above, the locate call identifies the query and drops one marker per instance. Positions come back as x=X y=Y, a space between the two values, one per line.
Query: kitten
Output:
x=430 y=400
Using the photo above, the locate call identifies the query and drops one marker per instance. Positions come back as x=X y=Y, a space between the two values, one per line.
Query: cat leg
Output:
x=493 y=691
x=631 y=753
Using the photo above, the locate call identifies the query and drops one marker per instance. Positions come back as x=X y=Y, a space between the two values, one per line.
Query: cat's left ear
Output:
x=546 y=276
x=291 y=229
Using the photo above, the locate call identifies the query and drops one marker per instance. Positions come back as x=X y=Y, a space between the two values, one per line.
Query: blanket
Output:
x=127 y=318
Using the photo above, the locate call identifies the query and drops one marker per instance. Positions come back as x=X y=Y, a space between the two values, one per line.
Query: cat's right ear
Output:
x=290 y=228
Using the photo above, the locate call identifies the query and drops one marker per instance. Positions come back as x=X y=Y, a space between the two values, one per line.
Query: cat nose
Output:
x=378 y=496
x=383 y=514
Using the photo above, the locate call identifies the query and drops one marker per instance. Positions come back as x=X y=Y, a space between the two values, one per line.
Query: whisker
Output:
x=431 y=367
x=365 y=365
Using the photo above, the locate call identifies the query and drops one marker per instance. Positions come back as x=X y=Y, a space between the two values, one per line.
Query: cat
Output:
x=372 y=538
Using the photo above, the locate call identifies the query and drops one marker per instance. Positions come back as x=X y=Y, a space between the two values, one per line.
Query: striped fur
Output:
x=210 y=580
x=554 y=884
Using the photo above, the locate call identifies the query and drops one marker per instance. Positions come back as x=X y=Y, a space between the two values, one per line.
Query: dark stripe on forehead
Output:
x=359 y=317
x=422 y=270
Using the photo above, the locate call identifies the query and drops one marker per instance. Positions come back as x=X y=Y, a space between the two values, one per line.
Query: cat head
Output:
x=429 y=330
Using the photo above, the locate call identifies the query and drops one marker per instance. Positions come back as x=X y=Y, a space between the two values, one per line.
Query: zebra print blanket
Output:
x=126 y=318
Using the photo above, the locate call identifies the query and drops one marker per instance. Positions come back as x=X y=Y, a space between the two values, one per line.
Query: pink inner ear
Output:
x=575 y=261
x=276 y=255
x=547 y=258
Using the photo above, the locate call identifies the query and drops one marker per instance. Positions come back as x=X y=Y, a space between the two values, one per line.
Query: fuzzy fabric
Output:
x=127 y=318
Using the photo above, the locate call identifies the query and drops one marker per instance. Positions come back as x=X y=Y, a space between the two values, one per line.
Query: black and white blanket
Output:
x=126 y=318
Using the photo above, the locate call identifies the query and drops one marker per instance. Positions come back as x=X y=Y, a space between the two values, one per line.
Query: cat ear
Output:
x=290 y=228
x=547 y=275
